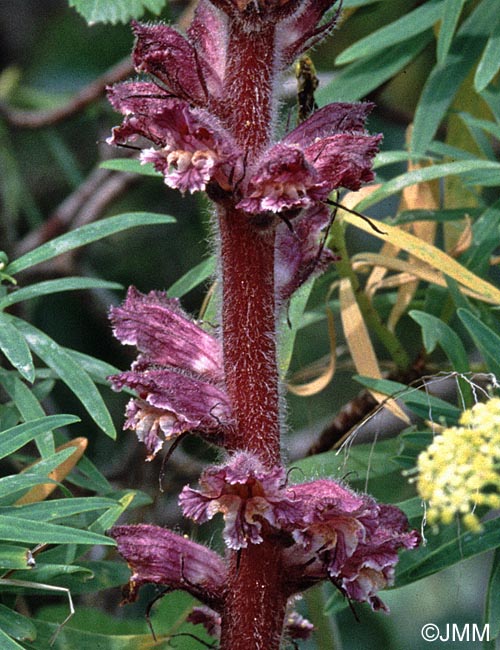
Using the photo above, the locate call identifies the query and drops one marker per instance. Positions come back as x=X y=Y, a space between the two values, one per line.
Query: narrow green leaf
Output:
x=193 y=278
x=398 y=183
x=13 y=439
x=489 y=178
x=492 y=609
x=108 y=518
x=8 y=642
x=390 y=157
x=419 y=401
x=58 y=508
x=408 y=26
x=445 y=549
x=106 y=575
x=69 y=638
x=15 y=625
x=358 y=3
x=55 y=286
x=490 y=96
x=487 y=341
x=54 y=573
x=29 y=408
x=13 y=557
x=70 y=372
x=436 y=332
x=486 y=125
x=447 y=77
x=14 y=346
x=485 y=238
x=98 y=370
x=85 y=235
x=91 y=478
x=130 y=165
x=446 y=150
x=449 y=21
x=36 y=475
x=361 y=77
x=13 y=529
x=93 y=630
x=293 y=324
x=489 y=64
x=115 y=11
x=362 y=462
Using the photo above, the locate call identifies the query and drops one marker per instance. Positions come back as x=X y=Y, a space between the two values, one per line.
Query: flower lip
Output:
x=248 y=495
x=191 y=147
x=347 y=538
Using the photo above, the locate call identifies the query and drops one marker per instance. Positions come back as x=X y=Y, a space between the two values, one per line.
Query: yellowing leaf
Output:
x=432 y=256
x=360 y=345
x=465 y=238
x=325 y=373
x=422 y=196
x=356 y=333
x=42 y=491
x=408 y=272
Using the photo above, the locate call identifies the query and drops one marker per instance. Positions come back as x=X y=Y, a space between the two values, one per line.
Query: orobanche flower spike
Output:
x=205 y=114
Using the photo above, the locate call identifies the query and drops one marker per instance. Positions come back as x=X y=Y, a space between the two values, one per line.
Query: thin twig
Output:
x=85 y=205
x=26 y=119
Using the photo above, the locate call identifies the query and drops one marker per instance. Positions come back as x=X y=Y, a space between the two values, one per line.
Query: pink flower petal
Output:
x=163 y=332
x=301 y=254
x=166 y=55
x=283 y=180
x=181 y=403
x=348 y=538
x=158 y=556
x=178 y=376
x=247 y=494
x=344 y=160
x=208 y=34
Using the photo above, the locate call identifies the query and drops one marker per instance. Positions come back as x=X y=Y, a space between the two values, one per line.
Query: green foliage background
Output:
x=432 y=64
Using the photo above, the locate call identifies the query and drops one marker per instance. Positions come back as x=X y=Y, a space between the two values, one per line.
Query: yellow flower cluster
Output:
x=460 y=470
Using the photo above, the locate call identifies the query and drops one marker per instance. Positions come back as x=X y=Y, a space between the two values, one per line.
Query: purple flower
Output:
x=183 y=115
x=347 y=538
x=191 y=148
x=158 y=556
x=248 y=494
x=329 y=150
x=189 y=68
x=300 y=253
x=177 y=376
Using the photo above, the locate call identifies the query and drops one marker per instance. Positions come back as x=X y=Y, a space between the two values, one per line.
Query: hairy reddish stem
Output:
x=248 y=86
x=255 y=606
x=255 y=603
x=248 y=322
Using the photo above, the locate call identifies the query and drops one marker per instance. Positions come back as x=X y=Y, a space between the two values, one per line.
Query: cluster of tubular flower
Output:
x=328 y=532
x=459 y=473
x=186 y=127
